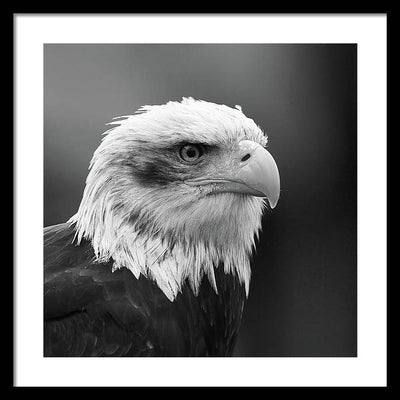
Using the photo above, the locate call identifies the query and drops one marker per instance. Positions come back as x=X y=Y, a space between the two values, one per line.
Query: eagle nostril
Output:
x=246 y=157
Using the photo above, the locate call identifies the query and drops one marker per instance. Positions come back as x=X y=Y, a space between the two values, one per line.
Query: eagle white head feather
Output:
x=176 y=190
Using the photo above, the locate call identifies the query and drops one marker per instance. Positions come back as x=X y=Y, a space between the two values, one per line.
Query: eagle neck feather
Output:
x=171 y=253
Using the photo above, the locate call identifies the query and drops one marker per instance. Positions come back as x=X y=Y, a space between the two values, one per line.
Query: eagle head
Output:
x=176 y=190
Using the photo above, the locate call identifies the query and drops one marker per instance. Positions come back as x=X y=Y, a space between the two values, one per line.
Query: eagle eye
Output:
x=191 y=152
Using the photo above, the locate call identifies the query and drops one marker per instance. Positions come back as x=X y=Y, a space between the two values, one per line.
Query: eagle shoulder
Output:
x=88 y=309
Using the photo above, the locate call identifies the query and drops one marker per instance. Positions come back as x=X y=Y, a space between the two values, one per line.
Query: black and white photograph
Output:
x=204 y=227
x=200 y=200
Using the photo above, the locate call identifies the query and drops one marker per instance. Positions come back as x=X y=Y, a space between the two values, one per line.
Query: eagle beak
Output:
x=255 y=173
x=258 y=173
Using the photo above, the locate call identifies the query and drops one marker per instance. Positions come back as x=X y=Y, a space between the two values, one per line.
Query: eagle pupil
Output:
x=191 y=153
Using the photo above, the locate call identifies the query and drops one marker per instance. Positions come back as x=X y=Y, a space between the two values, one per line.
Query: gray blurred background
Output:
x=304 y=278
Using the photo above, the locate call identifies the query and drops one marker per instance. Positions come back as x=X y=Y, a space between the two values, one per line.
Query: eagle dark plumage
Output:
x=156 y=260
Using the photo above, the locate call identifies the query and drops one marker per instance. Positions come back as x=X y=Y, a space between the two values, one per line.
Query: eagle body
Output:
x=156 y=261
x=92 y=311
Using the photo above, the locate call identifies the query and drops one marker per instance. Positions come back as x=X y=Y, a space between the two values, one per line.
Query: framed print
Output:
x=193 y=206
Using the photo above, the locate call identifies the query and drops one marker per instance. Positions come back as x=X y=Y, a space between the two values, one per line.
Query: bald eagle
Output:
x=156 y=261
